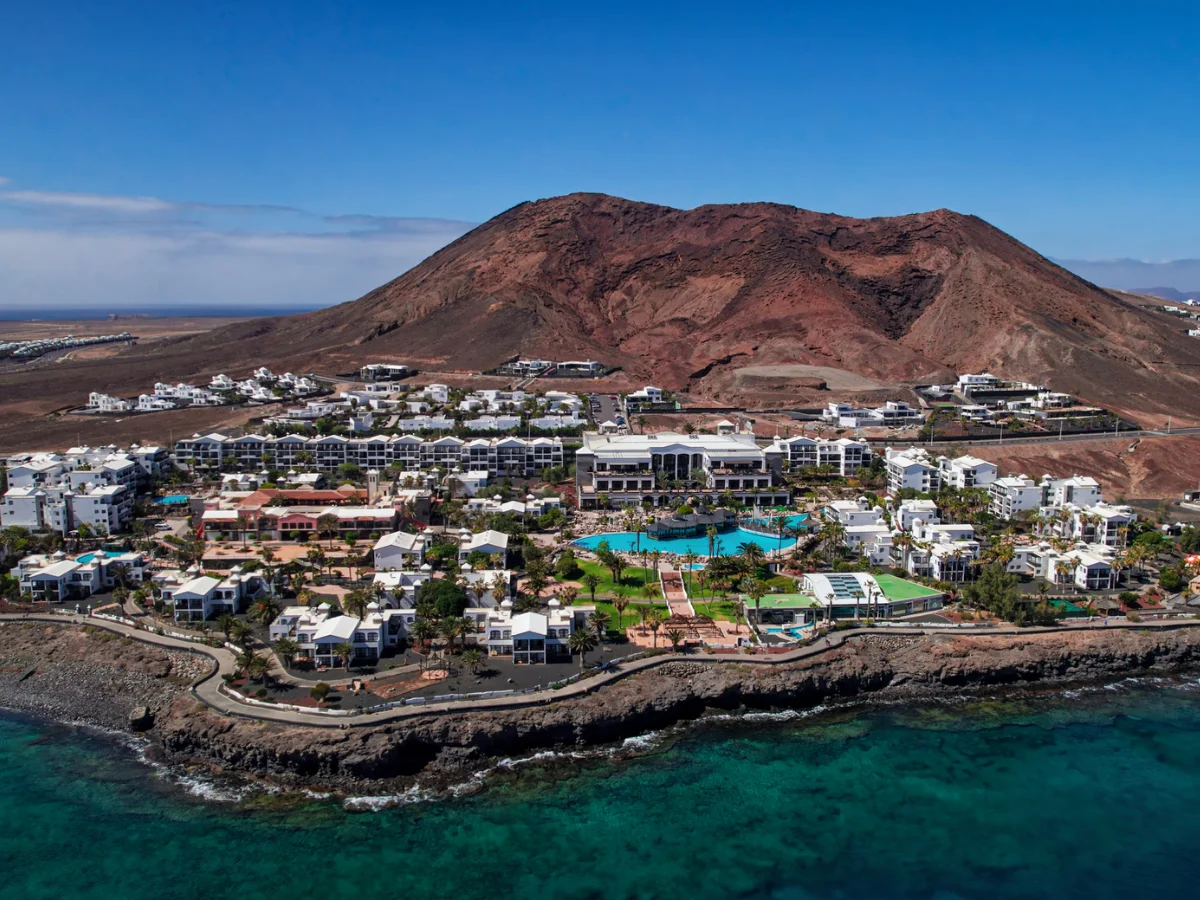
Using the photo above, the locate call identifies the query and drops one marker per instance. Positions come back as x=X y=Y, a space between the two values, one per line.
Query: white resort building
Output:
x=632 y=468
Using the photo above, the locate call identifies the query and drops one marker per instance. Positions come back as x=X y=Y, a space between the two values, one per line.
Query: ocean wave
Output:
x=415 y=794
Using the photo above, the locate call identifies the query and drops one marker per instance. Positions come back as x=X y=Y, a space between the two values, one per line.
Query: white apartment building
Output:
x=197 y=598
x=966 y=472
x=1103 y=523
x=384 y=372
x=912 y=469
x=632 y=468
x=1079 y=490
x=910 y=512
x=58 y=577
x=529 y=638
x=853 y=512
x=499 y=457
x=1013 y=495
x=846 y=456
x=103 y=508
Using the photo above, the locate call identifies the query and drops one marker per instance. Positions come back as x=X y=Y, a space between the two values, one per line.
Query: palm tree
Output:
x=644 y=614
x=689 y=560
x=265 y=611
x=346 y=651
x=472 y=658
x=1062 y=568
x=736 y=609
x=355 y=602
x=591 y=581
x=656 y=557
x=833 y=535
x=267 y=556
x=286 y=649
x=423 y=631
x=226 y=623
x=240 y=632
x=599 y=621
x=711 y=534
x=752 y=554
x=756 y=592
x=327 y=527
x=581 y=641
x=676 y=638
x=449 y=629
x=655 y=621
x=620 y=605
x=260 y=665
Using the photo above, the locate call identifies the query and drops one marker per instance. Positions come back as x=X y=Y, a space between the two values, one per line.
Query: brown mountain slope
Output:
x=687 y=298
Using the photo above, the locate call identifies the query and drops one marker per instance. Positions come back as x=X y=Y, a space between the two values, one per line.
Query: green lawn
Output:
x=632 y=613
x=714 y=609
x=899 y=589
x=632 y=580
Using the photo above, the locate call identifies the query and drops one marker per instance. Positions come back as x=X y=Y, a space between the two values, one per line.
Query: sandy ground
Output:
x=144 y=329
x=1154 y=467
x=836 y=379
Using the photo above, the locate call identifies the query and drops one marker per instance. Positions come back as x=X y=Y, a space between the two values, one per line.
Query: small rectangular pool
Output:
x=174 y=499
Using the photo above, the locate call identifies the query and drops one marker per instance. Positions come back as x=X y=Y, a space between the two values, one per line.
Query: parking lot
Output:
x=603 y=408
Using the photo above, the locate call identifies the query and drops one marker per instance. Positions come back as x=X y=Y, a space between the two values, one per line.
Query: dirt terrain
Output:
x=1154 y=468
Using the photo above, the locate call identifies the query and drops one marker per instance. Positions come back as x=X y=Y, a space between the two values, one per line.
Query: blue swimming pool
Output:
x=727 y=542
x=174 y=499
x=88 y=557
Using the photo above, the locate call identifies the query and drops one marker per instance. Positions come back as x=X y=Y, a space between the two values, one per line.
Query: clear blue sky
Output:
x=1074 y=126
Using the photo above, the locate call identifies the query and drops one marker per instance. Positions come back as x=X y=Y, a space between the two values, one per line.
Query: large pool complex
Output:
x=726 y=544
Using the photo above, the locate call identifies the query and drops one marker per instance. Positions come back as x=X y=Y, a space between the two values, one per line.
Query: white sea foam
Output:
x=415 y=794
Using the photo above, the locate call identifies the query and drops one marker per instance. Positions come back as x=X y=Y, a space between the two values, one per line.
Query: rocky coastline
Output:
x=84 y=676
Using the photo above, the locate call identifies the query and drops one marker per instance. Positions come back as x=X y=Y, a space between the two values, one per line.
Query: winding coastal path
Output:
x=208 y=689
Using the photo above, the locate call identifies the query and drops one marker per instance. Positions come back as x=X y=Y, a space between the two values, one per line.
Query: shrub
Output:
x=319 y=691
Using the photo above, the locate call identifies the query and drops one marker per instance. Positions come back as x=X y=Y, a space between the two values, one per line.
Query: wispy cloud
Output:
x=123 y=252
x=1135 y=274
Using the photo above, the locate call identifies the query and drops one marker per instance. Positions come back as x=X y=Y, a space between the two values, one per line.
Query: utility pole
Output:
x=1060 y=428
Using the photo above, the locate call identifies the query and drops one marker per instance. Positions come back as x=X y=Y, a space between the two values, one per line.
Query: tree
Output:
x=711 y=534
x=446 y=598
x=591 y=581
x=355 y=602
x=226 y=623
x=422 y=632
x=655 y=621
x=345 y=650
x=756 y=592
x=568 y=595
x=599 y=621
x=581 y=641
x=327 y=527
x=319 y=691
x=620 y=605
x=567 y=566
x=259 y=667
x=240 y=632
x=676 y=638
x=286 y=649
x=996 y=591
x=265 y=610
x=472 y=658
x=752 y=554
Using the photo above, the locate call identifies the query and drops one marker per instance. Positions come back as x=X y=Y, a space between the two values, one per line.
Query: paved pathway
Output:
x=208 y=689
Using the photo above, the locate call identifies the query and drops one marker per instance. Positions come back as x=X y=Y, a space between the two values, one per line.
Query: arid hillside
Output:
x=751 y=302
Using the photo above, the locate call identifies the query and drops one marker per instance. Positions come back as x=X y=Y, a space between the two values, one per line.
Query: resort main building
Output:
x=657 y=468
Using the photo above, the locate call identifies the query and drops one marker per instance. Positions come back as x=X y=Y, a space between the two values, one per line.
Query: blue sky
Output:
x=301 y=153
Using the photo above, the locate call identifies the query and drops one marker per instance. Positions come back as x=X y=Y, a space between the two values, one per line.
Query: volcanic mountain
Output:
x=726 y=299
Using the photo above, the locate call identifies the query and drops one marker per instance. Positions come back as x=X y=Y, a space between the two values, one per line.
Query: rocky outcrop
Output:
x=444 y=747
x=91 y=675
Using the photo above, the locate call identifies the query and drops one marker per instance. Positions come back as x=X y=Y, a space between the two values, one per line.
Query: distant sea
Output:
x=56 y=314
x=1088 y=795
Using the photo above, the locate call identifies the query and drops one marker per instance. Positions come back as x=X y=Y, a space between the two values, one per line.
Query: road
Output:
x=1054 y=438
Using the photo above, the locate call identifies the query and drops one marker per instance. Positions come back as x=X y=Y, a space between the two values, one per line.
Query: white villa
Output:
x=529 y=638
x=58 y=577
x=400 y=550
x=894 y=413
x=198 y=598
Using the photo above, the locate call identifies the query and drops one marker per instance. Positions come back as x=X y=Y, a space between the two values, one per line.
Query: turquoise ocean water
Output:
x=1089 y=795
